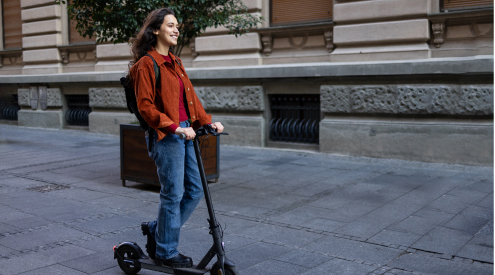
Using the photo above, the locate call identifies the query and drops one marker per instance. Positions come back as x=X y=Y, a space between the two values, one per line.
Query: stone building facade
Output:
x=406 y=79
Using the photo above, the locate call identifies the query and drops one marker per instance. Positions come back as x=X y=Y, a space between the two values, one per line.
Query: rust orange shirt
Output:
x=160 y=109
x=182 y=110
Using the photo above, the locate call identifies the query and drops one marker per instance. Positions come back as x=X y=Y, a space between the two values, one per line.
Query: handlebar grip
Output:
x=182 y=136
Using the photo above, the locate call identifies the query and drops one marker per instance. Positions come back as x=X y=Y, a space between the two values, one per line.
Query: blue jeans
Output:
x=181 y=190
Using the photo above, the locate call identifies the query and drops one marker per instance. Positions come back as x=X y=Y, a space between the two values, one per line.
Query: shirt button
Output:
x=190 y=102
x=182 y=74
x=188 y=89
x=194 y=117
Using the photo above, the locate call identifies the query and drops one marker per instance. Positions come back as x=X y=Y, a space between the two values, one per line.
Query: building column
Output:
x=113 y=57
x=42 y=33
x=217 y=48
x=381 y=30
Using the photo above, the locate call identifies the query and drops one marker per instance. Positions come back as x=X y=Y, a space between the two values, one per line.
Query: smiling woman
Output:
x=167 y=34
x=171 y=108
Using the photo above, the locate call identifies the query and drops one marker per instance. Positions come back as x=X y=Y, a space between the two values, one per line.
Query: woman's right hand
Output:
x=189 y=132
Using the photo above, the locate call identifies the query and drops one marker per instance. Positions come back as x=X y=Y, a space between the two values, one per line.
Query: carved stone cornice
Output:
x=329 y=40
x=12 y=54
x=440 y=22
x=267 y=40
x=324 y=29
x=438 y=33
x=65 y=56
x=81 y=49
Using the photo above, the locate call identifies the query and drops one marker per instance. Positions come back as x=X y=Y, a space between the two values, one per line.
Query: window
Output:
x=12 y=24
x=464 y=4
x=9 y=111
x=74 y=36
x=291 y=12
x=78 y=112
x=295 y=118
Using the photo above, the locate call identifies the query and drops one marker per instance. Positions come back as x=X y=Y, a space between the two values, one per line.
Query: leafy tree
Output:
x=119 y=20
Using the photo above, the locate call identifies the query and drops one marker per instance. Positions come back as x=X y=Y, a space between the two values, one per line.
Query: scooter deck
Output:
x=150 y=264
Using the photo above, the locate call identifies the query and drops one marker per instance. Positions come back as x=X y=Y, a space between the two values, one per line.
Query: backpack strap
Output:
x=151 y=131
x=157 y=72
x=178 y=62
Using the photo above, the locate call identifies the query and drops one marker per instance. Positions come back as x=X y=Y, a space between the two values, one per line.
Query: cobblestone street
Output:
x=63 y=208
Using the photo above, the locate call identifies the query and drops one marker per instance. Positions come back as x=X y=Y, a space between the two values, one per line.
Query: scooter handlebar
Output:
x=205 y=130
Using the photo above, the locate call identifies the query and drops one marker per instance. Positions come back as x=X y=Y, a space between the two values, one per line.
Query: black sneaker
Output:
x=179 y=261
x=150 y=243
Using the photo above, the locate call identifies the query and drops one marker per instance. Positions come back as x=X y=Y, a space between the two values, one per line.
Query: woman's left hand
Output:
x=217 y=126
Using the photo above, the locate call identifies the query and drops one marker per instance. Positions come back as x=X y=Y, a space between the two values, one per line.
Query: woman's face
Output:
x=169 y=31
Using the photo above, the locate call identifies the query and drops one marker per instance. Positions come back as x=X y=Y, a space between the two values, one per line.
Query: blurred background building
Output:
x=406 y=79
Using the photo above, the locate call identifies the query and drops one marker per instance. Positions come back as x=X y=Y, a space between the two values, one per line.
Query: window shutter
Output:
x=463 y=4
x=12 y=24
x=285 y=12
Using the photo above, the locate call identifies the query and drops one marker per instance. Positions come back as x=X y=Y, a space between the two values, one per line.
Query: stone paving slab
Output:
x=431 y=265
x=284 y=212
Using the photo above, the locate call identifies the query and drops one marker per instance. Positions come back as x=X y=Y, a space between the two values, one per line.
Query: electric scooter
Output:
x=131 y=257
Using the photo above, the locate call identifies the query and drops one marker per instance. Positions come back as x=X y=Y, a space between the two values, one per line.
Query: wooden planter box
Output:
x=136 y=165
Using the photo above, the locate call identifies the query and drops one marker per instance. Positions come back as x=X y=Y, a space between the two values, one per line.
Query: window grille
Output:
x=10 y=112
x=295 y=118
x=78 y=111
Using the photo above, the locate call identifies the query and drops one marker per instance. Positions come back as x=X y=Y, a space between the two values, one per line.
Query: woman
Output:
x=171 y=110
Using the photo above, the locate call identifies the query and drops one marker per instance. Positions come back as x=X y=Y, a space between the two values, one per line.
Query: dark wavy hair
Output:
x=146 y=38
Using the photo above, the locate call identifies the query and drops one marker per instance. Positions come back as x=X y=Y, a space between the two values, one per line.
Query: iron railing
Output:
x=295 y=118
x=10 y=112
x=78 y=112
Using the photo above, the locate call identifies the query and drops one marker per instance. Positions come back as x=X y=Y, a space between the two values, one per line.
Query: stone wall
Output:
x=434 y=122
x=239 y=108
x=408 y=99
x=465 y=142
x=41 y=107
x=109 y=110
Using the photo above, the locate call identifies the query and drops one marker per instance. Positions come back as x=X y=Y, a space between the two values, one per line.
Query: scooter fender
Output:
x=134 y=246
x=229 y=262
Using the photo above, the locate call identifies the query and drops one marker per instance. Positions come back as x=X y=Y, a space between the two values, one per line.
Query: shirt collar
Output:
x=158 y=57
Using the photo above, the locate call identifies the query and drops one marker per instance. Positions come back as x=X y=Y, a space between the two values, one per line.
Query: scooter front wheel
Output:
x=128 y=260
x=229 y=270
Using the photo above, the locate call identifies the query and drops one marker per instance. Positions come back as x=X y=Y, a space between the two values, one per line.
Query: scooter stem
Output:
x=217 y=247
x=206 y=190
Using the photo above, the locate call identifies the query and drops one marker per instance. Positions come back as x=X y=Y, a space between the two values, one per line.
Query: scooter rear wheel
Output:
x=229 y=270
x=127 y=255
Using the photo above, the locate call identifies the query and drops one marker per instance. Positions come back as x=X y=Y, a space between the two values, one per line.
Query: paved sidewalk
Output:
x=62 y=209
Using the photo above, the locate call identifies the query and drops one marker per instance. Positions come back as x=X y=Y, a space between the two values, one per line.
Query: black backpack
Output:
x=130 y=97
